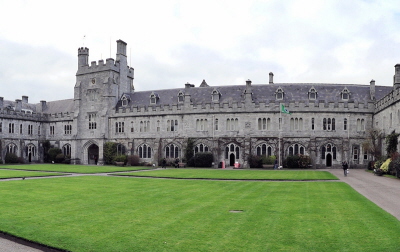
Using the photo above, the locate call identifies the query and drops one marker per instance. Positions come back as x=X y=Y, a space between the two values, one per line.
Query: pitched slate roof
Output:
x=261 y=93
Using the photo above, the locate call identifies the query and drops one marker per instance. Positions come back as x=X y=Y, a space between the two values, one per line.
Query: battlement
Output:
x=83 y=50
x=387 y=100
x=109 y=65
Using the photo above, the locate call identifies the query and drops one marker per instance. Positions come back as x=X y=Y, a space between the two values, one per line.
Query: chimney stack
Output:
x=372 y=89
x=271 y=78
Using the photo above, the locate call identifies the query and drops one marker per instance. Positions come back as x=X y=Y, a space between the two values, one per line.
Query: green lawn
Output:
x=235 y=174
x=97 y=213
x=74 y=168
x=20 y=174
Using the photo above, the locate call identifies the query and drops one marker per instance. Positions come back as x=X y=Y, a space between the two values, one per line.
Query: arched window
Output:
x=264 y=150
x=328 y=149
x=181 y=97
x=66 y=149
x=144 y=151
x=172 y=151
x=201 y=148
x=279 y=94
x=11 y=148
x=121 y=149
x=296 y=149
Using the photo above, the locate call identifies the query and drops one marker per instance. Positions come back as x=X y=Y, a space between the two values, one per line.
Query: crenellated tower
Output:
x=396 y=77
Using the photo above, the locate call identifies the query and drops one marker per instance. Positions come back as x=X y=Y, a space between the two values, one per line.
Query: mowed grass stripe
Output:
x=6 y=174
x=234 y=174
x=74 y=168
x=127 y=214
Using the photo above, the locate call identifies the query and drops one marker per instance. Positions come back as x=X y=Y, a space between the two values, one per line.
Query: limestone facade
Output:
x=329 y=122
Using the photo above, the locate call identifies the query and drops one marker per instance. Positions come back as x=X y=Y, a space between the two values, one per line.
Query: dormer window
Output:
x=345 y=94
x=124 y=101
x=312 y=94
x=181 y=97
x=154 y=98
x=216 y=95
x=279 y=94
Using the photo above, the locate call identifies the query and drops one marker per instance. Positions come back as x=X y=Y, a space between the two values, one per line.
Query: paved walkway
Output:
x=383 y=191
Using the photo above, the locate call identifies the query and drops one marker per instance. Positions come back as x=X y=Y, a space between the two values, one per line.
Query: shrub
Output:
x=371 y=165
x=121 y=158
x=292 y=161
x=385 y=166
x=52 y=154
x=60 y=158
x=201 y=159
x=21 y=160
x=255 y=161
x=109 y=152
x=133 y=160
x=304 y=161
x=11 y=158
x=268 y=160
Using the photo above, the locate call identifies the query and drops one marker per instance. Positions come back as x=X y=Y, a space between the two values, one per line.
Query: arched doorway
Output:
x=328 y=160
x=93 y=154
x=232 y=159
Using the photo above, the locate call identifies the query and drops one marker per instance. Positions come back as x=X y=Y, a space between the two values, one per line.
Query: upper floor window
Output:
x=328 y=124
x=296 y=123
x=345 y=124
x=92 y=120
x=232 y=124
x=52 y=130
x=132 y=128
x=119 y=127
x=216 y=124
x=201 y=125
x=172 y=125
x=279 y=94
x=30 y=129
x=67 y=129
x=1 y=127
x=312 y=123
x=11 y=128
x=264 y=123
x=20 y=129
x=144 y=126
x=360 y=125
x=158 y=126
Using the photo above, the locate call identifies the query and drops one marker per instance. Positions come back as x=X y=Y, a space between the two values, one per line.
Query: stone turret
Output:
x=1 y=102
x=83 y=56
x=396 y=77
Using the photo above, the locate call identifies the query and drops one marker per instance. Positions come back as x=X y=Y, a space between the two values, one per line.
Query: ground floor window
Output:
x=144 y=151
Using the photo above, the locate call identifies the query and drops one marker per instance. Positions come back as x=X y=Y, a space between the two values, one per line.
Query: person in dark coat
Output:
x=164 y=163
x=345 y=166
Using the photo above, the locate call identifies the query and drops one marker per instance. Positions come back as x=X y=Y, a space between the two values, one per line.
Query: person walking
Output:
x=345 y=166
x=164 y=163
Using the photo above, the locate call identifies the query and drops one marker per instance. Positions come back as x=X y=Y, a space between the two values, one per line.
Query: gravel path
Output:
x=383 y=191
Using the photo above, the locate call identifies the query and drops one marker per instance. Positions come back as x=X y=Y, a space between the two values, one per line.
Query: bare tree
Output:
x=373 y=142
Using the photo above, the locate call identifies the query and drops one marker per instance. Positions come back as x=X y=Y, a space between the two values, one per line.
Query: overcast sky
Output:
x=174 y=42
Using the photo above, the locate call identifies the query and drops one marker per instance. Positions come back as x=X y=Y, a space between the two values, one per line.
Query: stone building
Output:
x=328 y=122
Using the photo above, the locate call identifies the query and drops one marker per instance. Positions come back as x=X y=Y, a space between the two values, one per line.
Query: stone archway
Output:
x=93 y=154
x=232 y=159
